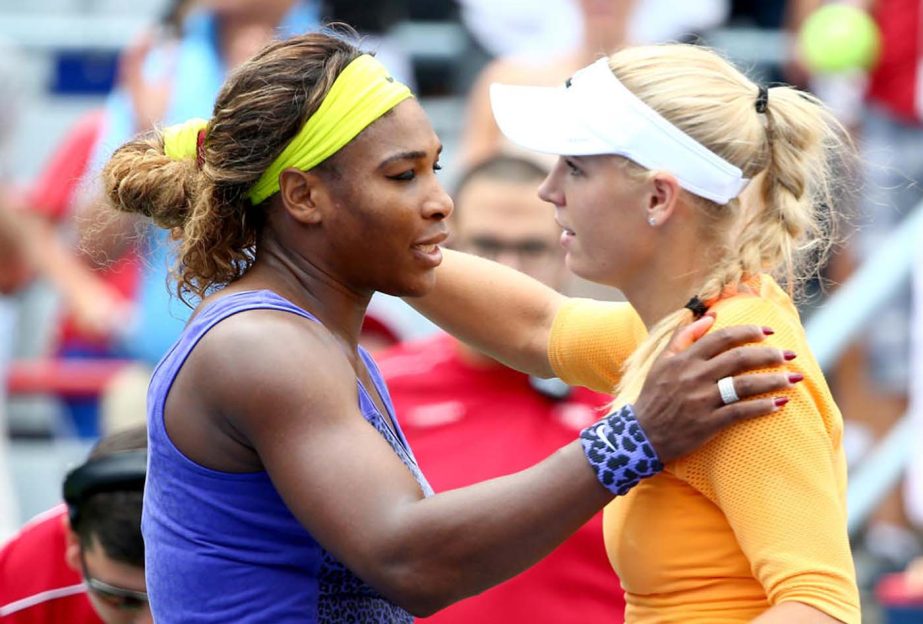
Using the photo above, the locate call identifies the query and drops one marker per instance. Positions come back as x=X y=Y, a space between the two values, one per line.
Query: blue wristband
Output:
x=619 y=452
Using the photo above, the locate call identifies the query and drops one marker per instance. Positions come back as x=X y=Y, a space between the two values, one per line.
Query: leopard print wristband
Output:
x=619 y=451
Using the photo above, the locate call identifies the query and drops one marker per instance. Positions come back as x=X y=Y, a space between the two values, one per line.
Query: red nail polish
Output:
x=768 y=331
x=780 y=401
x=789 y=355
x=795 y=377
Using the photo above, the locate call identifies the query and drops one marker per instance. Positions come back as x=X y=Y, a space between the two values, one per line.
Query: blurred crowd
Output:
x=107 y=313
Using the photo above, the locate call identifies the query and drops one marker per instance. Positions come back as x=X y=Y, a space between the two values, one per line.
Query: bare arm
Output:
x=14 y=269
x=97 y=307
x=289 y=389
x=495 y=309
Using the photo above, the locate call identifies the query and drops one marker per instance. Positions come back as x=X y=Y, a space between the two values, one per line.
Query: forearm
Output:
x=13 y=263
x=10 y=231
x=53 y=260
x=495 y=309
x=794 y=613
x=464 y=541
x=105 y=235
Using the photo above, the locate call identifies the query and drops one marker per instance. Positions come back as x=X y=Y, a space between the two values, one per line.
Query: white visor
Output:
x=597 y=114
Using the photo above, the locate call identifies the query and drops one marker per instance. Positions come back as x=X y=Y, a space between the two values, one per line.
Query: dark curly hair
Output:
x=259 y=110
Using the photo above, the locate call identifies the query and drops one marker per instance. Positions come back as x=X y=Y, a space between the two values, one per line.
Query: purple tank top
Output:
x=223 y=547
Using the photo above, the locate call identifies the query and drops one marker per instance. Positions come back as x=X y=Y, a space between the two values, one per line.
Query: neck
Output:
x=654 y=302
x=669 y=279
x=308 y=285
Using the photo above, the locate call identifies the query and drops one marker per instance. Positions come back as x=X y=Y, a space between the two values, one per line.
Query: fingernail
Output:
x=780 y=401
x=768 y=331
x=795 y=378
x=789 y=355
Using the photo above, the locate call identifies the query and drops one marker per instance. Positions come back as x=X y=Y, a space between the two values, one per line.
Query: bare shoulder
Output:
x=263 y=364
x=255 y=334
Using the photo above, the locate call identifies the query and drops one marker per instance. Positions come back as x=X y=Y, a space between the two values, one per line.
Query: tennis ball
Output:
x=839 y=37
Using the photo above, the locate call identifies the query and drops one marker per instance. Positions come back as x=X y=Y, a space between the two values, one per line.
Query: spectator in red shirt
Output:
x=84 y=563
x=469 y=419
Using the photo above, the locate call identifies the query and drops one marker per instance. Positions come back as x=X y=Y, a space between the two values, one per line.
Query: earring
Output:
x=651 y=221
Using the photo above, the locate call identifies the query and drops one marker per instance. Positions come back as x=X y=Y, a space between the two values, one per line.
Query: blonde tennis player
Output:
x=692 y=189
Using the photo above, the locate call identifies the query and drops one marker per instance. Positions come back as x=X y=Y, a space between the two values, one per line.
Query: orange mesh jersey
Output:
x=755 y=517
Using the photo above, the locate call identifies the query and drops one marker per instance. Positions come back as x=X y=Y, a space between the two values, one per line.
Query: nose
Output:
x=550 y=190
x=438 y=205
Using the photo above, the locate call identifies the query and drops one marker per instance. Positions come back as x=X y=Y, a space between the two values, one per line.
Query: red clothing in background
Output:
x=467 y=424
x=36 y=584
x=53 y=196
x=896 y=82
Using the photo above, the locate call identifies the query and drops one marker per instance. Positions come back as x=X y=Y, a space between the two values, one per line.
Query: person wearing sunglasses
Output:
x=83 y=562
x=113 y=596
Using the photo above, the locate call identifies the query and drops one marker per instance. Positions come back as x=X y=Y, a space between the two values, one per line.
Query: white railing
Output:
x=833 y=327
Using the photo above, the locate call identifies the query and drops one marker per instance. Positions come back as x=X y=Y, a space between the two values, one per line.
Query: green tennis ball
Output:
x=838 y=37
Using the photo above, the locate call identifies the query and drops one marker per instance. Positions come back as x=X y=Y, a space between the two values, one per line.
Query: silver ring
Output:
x=726 y=388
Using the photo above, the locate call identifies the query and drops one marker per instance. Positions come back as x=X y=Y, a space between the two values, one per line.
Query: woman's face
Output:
x=602 y=210
x=388 y=210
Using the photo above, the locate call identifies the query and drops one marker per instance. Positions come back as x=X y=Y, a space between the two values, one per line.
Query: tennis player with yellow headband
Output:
x=280 y=487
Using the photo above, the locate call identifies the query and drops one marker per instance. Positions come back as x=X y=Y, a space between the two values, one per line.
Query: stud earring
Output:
x=651 y=221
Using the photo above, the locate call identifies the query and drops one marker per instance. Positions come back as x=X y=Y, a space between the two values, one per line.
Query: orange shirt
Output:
x=755 y=517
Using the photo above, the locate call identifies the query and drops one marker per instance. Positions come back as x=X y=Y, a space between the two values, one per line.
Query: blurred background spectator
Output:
x=570 y=36
x=14 y=269
x=85 y=309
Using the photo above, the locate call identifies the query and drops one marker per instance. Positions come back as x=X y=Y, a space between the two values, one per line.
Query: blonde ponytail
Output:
x=783 y=222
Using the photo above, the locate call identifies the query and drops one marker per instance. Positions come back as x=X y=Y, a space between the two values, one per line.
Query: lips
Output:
x=429 y=244
x=427 y=250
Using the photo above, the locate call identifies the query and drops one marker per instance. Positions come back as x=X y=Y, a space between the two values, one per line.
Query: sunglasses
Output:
x=116 y=597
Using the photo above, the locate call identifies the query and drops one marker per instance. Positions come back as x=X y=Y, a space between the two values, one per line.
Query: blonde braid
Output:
x=782 y=223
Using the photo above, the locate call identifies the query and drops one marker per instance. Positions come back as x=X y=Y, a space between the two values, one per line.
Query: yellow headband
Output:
x=363 y=92
x=181 y=141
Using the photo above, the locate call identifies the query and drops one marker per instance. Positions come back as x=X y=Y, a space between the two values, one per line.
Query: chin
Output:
x=578 y=268
x=592 y=273
x=416 y=288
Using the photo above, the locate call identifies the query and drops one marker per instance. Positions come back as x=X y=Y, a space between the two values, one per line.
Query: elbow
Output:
x=424 y=597
x=421 y=590
x=425 y=609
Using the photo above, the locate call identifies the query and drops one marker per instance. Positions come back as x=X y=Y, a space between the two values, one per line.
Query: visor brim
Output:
x=543 y=119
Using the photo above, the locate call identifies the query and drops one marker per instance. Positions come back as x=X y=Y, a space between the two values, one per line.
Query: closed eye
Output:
x=411 y=174
x=404 y=176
